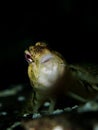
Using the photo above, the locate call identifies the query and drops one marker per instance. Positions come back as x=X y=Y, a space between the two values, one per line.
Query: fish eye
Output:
x=30 y=48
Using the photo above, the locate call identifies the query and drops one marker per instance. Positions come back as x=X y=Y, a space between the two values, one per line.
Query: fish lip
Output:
x=46 y=58
x=28 y=56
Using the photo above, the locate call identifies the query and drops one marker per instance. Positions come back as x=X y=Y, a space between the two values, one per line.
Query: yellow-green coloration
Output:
x=51 y=76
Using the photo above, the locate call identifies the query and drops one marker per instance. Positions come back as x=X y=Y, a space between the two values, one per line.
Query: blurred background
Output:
x=69 y=27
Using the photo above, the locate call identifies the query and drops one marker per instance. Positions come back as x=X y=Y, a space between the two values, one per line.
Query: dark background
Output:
x=69 y=27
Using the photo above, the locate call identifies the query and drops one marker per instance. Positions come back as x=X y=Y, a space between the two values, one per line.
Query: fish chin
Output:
x=46 y=58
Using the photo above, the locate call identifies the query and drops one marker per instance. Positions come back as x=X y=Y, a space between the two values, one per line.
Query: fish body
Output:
x=50 y=76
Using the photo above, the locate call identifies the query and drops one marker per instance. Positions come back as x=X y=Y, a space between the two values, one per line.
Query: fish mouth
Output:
x=46 y=58
x=28 y=56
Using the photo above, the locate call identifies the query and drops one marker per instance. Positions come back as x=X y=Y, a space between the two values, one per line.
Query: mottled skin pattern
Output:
x=51 y=76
